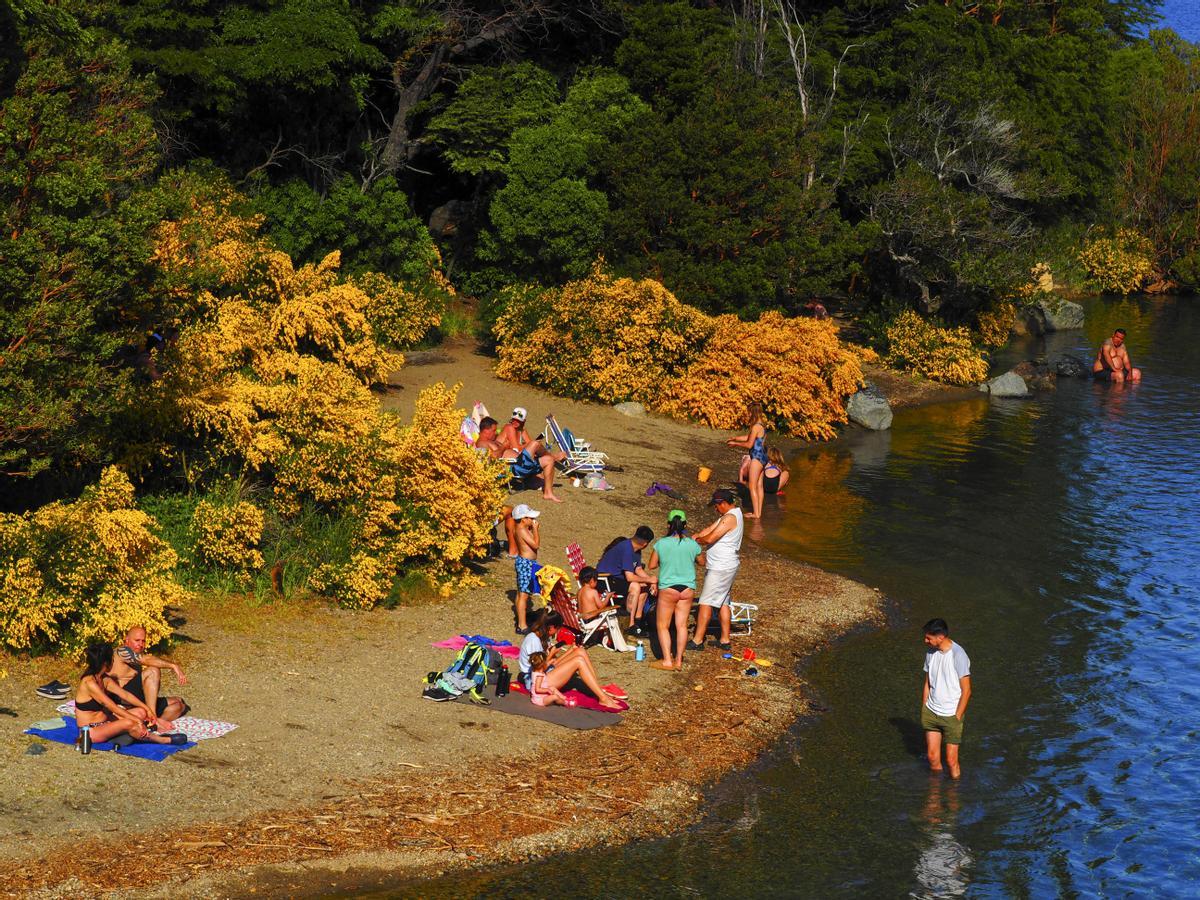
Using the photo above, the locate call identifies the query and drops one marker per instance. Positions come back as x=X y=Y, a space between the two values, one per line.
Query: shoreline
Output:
x=403 y=820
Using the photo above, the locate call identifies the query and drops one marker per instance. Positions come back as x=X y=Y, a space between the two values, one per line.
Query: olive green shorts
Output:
x=949 y=726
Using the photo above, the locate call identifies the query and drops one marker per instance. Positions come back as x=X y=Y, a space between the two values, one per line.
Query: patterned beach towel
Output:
x=195 y=729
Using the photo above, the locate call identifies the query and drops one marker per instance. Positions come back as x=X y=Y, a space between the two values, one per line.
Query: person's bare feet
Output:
x=662 y=664
x=749 y=516
x=610 y=704
x=551 y=498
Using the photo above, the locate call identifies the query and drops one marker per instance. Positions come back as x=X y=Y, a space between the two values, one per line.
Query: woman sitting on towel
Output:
x=561 y=663
x=98 y=716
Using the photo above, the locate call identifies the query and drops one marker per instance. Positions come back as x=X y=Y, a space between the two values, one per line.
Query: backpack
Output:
x=476 y=662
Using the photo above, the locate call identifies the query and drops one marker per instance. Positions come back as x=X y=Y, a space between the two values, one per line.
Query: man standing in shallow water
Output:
x=945 y=692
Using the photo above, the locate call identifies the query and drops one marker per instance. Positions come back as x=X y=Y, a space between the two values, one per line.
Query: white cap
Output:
x=519 y=413
x=522 y=511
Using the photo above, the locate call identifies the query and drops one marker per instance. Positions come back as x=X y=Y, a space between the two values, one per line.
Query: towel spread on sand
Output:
x=69 y=734
x=516 y=704
x=582 y=700
x=504 y=648
x=195 y=729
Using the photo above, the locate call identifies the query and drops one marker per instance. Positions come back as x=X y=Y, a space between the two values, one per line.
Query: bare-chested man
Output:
x=1112 y=362
x=135 y=678
x=529 y=539
x=529 y=456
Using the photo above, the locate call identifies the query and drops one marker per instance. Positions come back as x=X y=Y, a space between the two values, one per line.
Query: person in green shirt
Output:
x=675 y=556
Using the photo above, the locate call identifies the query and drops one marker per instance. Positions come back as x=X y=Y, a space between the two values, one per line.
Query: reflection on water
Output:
x=1058 y=536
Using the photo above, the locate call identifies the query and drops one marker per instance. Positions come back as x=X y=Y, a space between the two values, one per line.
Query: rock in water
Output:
x=630 y=408
x=869 y=409
x=1037 y=375
x=1052 y=315
x=1010 y=384
x=1066 y=365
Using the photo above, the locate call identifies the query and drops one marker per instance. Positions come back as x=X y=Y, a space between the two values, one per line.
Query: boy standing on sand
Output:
x=528 y=541
x=945 y=692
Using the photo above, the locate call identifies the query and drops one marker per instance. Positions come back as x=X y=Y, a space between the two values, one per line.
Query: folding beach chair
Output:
x=742 y=615
x=576 y=561
x=579 y=460
x=604 y=623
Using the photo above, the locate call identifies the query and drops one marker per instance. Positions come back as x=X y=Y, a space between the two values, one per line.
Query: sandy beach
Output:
x=340 y=771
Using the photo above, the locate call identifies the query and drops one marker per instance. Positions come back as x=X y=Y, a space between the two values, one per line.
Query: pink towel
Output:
x=582 y=700
x=458 y=642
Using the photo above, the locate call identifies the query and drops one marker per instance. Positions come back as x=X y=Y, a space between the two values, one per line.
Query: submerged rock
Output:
x=870 y=409
x=1037 y=375
x=630 y=408
x=1010 y=384
x=1067 y=365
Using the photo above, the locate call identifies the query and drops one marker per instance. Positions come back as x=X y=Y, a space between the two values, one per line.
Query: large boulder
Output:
x=870 y=409
x=1051 y=314
x=1067 y=365
x=630 y=408
x=1010 y=384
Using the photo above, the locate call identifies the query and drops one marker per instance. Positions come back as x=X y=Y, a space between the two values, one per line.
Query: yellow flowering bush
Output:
x=607 y=338
x=943 y=354
x=76 y=572
x=995 y=323
x=1118 y=263
x=615 y=339
x=400 y=316
x=227 y=536
x=796 y=369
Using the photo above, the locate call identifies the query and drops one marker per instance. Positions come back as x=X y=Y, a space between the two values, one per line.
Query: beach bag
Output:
x=476 y=663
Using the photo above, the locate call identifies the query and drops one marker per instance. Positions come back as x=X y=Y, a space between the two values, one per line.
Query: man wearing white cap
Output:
x=528 y=541
x=529 y=456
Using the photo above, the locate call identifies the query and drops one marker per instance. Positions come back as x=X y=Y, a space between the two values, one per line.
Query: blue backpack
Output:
x=479 y=663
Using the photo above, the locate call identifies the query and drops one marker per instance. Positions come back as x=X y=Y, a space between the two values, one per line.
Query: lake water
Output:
x=1059 y=537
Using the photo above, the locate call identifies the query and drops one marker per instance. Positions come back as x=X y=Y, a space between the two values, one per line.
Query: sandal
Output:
x=724 y=645
x=692 y=645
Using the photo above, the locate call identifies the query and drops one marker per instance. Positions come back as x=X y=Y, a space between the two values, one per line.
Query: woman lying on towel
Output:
x=98 y=716
x=561 y=662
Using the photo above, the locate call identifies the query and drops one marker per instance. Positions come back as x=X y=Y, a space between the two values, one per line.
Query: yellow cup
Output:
x=704 y=474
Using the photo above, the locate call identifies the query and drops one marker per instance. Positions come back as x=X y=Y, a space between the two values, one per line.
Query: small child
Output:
x=539 y=693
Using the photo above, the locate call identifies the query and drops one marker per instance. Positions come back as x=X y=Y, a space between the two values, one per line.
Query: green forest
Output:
x=424 y=167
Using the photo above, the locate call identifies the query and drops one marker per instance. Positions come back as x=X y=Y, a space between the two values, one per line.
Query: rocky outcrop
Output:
x=1010 y=384
x=1049 y=314
x=869 y=409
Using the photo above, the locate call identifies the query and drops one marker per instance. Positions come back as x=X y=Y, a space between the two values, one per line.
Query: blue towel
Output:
x=69 y=734
x=485 y=640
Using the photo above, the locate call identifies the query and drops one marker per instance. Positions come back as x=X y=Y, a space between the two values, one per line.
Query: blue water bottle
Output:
x=640 y=653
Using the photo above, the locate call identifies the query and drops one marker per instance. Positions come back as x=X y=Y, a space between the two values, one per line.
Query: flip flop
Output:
x=659 y=664
x=616 y=694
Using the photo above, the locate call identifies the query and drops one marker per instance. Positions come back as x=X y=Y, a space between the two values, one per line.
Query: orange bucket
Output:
x=704 y=474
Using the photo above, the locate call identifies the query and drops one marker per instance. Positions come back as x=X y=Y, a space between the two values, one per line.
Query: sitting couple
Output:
x=118 y=694
x=529 y=456
x=545 y=668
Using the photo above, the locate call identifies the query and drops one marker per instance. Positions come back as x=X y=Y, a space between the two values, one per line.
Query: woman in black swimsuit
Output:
x=98 y=716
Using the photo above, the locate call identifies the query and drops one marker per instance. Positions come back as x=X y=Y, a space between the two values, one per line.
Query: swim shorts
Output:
x=717 y=586
x=524 y=568
x=525 y=465
x=951 y=727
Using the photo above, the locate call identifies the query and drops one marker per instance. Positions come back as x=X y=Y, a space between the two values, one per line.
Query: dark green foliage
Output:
x=76 y=140
x=375 y=227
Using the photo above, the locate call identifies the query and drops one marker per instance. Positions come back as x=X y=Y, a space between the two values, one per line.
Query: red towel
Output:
x=582 y=700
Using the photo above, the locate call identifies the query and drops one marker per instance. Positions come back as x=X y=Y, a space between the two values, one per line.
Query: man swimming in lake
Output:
x=1112 y=362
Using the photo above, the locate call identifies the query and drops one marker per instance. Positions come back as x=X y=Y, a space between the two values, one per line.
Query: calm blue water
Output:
x=1183 y=16
x=1059 y=537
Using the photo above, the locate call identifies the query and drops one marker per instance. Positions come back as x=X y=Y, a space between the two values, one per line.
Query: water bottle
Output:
x=502 y=681
x=640 y=653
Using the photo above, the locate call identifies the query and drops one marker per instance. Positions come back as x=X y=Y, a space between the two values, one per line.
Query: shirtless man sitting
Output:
x=135 y=678
x=529 y=455
x=1112 y=362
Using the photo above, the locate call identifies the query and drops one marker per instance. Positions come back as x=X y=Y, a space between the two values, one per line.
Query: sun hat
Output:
x=519 y=413
x=523 y=511
x=677 y=514
x=722 y=495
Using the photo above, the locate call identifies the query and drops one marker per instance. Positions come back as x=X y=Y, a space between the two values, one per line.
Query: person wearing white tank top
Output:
x=723 y=540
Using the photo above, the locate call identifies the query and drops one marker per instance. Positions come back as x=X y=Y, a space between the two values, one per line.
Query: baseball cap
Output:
x=519 y=413
x=676 y=514
x=722 y=495
x=523 y=511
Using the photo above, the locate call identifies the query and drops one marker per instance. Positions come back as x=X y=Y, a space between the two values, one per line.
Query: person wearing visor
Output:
x=530 y=455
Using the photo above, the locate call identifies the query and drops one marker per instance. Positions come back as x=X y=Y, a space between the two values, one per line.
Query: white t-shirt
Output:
x=530 y=645
x=723 y=554
x=945 y=668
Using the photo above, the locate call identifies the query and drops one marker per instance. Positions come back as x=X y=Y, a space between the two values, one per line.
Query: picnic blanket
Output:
x=504 y=648
x=518 y=704
x=195 y=729
x=582 y=700
x=68 y=734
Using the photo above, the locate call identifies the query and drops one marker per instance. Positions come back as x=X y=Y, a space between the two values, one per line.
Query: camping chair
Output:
x=579 y=460
x=605 y=622
x=742 y=615
x=576 y=561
